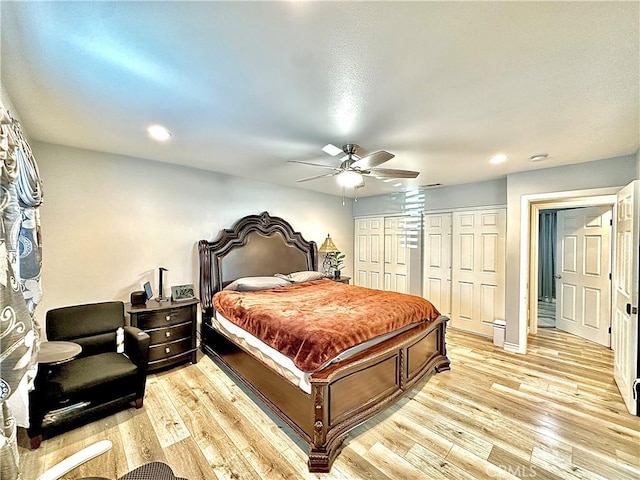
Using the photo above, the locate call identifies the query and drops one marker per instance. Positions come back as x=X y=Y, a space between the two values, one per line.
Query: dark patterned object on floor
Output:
x=152 y=471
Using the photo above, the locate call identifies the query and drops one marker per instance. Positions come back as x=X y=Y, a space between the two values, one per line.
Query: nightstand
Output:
x=342 y=279
x=172 y=328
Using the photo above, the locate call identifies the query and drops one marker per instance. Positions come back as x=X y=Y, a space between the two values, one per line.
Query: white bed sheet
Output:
x=279 y=362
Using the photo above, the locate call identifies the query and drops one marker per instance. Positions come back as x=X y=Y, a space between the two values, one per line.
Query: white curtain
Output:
x=20 y=287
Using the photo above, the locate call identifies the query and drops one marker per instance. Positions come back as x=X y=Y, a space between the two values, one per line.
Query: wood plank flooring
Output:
x=554 y=413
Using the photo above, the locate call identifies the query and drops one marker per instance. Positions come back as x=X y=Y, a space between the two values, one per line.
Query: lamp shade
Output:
x=328 y=246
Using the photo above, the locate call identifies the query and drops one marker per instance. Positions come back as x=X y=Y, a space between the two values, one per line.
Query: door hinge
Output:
x=609 y=330
x=611 y=222
x=635 y=387
x=610 y=278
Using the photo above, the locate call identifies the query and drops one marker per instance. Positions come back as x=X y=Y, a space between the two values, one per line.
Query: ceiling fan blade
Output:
x=373 y=160
x=314 y=164
x=317 y=176
x=331 y=149
x=391 y=173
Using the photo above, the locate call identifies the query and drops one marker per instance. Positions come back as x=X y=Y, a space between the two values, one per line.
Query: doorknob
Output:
x=631 y=310
x=558 y=277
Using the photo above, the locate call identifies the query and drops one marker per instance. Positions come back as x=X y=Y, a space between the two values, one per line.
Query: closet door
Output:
x=396 y=255
x=437 y=261
x=369 y=252
x=478 y=270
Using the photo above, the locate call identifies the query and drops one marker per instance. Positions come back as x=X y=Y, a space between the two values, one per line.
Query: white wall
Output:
x=615 y=172
x=109 y=221
x=493 y=192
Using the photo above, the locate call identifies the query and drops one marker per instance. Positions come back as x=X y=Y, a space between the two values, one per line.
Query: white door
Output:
x=583 y=288
x=478 y=270
x=369 y=252
x=396 y=255
x=437 y=261
x=625 y=290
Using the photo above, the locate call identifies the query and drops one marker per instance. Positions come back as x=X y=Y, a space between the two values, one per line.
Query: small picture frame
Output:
x=148 y=291
x=182 y=292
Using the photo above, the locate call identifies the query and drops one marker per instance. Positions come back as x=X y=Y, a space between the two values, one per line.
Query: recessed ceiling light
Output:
x=331 y=150
x=501 y=157
x=539 y=157
x=158 y=132
x=399 y=184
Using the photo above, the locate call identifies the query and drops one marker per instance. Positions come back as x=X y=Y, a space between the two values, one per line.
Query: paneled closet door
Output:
x=437 y=261
x=396 y=255
x=478 y=270
x=369 y=252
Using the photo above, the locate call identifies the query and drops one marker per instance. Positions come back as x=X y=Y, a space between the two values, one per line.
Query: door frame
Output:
x=530 y=208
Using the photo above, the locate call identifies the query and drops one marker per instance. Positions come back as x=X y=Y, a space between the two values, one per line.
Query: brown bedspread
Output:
x=313 y=322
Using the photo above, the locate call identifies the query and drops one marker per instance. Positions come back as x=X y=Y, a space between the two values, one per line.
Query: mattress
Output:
x=278 y=362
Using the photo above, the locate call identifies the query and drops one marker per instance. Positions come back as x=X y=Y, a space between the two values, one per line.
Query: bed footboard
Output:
x=343 y=395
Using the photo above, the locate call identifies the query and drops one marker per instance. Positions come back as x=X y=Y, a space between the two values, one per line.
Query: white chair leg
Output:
x=75 y=460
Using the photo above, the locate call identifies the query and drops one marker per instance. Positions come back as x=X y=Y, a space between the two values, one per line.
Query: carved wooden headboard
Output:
x=256 y=245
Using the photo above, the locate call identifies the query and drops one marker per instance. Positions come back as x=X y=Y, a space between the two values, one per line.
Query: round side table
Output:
x=54 y=352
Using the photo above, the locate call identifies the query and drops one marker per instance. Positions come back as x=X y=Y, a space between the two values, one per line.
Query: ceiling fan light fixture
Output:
x=349 y=179
x=331 y=150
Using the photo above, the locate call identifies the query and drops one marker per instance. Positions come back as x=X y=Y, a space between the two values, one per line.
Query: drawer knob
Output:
x=167 y=318
x=167 y=350
x=167 y=334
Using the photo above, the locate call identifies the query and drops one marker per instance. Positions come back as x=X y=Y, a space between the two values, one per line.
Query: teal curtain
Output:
x=547 y=256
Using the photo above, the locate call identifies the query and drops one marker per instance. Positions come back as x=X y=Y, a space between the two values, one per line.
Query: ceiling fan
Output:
x=353 y=169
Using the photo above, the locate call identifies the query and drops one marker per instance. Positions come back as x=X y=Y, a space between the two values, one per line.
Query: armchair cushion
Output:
x=89 y=372
x=93 y=325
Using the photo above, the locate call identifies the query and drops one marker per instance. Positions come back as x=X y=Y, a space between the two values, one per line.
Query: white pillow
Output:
x=304 y=276
x=253 y=284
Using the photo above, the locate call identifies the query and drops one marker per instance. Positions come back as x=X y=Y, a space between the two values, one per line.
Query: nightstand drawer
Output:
x=162 y=319
x=170 y=334
x=165 y=350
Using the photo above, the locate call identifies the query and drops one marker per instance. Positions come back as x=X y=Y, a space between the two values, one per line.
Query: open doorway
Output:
x=543 y=314
x=547 y=256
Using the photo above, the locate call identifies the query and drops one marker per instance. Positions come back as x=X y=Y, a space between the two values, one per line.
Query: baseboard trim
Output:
x=513 y=348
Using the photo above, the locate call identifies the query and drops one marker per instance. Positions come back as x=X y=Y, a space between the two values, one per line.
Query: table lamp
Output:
x=329 y=249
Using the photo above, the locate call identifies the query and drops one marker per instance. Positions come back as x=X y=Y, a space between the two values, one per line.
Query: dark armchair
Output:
x=98 y=380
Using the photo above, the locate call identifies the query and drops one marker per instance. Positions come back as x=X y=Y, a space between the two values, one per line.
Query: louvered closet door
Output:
x=478 y=270
x=369 y=252
x=437 y=261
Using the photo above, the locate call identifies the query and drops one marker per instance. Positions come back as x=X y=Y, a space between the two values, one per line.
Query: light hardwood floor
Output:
x=552 y=414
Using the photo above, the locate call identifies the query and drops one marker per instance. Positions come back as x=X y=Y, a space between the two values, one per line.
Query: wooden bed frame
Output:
x=343 y=395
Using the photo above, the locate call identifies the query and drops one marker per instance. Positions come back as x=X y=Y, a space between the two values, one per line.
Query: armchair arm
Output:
x=136 y=346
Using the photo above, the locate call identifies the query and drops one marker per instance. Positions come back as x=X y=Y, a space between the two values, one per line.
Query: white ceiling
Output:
x=245 y=87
